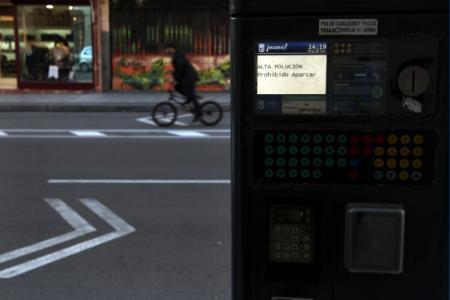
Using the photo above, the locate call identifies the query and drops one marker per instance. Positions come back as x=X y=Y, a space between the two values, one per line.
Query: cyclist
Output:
x=185 y=77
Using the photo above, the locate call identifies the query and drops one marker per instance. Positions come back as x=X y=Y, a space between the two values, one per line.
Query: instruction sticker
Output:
x=348 y=27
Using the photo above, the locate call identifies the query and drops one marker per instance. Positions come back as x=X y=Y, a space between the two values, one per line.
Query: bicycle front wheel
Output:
x=211 y=113
x=164 y=114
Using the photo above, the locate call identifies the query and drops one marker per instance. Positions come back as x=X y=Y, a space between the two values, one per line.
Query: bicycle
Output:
x=165 y=113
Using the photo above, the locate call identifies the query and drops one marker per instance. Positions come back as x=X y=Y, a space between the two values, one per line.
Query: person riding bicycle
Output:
x=185 y=77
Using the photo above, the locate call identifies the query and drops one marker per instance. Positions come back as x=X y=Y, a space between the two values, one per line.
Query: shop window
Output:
x=55 y=43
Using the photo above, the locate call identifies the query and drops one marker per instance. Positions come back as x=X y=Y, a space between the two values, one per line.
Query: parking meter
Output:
x=340 y=150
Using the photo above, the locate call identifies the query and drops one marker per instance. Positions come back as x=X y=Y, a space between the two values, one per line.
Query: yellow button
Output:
x=404 y=151
x=403 y=175
x=404 y=163
x=379 y=151
x=405 y=139
x=378 y=163
x=392 y=151
x=392 y=139
x=417 y=163
x=417 y=151
x=418 y=139
x=391 y=163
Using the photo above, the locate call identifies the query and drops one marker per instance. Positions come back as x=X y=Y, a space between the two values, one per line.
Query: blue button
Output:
x=354 y=163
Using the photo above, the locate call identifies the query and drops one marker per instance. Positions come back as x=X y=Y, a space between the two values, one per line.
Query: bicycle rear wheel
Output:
x=164 y=114
x=211 y=113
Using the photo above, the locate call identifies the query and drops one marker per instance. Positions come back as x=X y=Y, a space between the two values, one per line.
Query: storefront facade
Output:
x=47 y=45
x=140 y=29
x=100 y=45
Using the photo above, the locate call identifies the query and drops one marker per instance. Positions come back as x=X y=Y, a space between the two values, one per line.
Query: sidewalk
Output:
x=96 y=102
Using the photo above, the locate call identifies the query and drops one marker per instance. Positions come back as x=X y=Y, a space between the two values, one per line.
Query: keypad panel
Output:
x=394 y=157
x=291 y=236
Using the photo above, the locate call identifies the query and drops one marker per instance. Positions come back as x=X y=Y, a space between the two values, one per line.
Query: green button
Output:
x=281 y=150
x=269 y=149
x=269 y=138
x=317 y=174
x=318 y=138
x=293 y=138
x=329 y=150
x=305 y=150
x=342 y=162
x=304 y=173
x=281 y=173
x=305 y=162
x=268 y=173
x=293 y=162
x=317 y=150
x=317 y=162
x=378 y=175
x=306 y=138
x=293 y=173
x=281 y=138
x=268 y=161
x=293 y=150
x=342 y=150
x=281 y=161
x=330 y=138
x=342 y=139
x=329 y=162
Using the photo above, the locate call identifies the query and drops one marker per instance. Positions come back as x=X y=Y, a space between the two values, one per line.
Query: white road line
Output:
x=81 y=227
x=187 y=133
x=121 y=228
x=109 y=130
x=160 y=137
x=87 y=133
x=148 y=120
x=2 y=134
x=139 y=181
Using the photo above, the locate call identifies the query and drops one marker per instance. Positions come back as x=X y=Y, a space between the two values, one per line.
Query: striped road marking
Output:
x=81 y=227
x=87 y=133
x=121 y=228
x=139 y=181
x=187 y=133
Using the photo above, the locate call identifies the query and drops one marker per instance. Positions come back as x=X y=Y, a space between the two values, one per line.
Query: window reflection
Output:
x=55 y=43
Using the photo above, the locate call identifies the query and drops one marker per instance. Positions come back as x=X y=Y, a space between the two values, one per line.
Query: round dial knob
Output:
x=413 y=81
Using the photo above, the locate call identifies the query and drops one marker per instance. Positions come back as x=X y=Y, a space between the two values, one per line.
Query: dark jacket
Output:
x=183 y=71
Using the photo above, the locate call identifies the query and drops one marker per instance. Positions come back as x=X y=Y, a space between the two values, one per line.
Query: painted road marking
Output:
x=139 y=181
x=87 y=133
x=121 y=228
x=187 y=133
x=116 y=133
x=149 y=120
x=81 y=227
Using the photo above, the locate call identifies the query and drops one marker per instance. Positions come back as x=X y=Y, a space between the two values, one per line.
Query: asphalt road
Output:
x=108 y=206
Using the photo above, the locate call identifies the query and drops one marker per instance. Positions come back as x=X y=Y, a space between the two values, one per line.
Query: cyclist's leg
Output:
x=192 y=97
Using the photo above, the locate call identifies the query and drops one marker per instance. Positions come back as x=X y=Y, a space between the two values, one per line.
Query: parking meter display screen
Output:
x=292 y=77
x=320 y=77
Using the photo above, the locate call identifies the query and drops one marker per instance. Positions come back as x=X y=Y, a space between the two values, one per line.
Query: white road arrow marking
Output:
x=121 y=228
x=80 y=226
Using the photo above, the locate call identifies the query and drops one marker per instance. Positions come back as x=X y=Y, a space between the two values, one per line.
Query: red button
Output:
x=353 y=174
x=367 y=138
x=354 y=138
x=379 y=139
x=354 y=150
x=367 y=151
